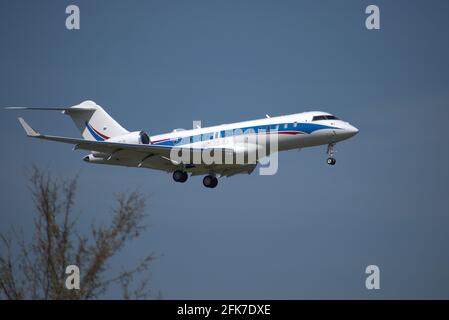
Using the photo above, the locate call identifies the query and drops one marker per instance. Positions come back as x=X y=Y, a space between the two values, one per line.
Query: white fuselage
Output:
x=292 y=131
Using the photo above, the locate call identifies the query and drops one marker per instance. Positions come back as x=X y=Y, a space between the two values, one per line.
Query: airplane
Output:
x=110 y=143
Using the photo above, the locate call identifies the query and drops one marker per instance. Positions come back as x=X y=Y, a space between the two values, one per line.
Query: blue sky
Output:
x=310 y=230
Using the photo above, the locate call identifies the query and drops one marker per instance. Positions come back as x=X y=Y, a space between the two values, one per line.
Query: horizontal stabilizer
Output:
x=66 y=110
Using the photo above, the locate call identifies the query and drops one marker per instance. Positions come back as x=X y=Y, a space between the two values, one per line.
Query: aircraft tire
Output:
x=210 y=181
x=180 y=176
x=331 y=161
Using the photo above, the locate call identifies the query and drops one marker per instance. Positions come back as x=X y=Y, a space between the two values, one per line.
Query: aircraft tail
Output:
x=92 y=121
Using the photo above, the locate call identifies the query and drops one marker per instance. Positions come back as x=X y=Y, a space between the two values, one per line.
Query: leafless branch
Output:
x=37 y=269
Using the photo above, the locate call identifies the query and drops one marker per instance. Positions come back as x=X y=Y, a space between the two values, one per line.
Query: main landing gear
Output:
x=180 y=176
x=210 y=181
x=330 y=153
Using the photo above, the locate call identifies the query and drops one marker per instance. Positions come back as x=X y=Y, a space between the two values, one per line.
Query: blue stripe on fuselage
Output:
x=273 y=128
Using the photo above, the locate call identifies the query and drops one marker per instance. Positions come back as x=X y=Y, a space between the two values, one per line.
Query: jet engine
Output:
x=136 y=137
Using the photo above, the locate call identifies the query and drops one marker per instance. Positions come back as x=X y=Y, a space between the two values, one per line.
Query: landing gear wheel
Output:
x=214 y=182
x=180 y=176
x=210 y=181
x=331 y=161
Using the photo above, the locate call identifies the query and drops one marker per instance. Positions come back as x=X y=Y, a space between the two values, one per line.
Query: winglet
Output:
x=29 y=131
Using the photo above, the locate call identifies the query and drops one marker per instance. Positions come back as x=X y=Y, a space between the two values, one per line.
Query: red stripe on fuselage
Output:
x=161 y=140
x=276 y=132
x=100 y=134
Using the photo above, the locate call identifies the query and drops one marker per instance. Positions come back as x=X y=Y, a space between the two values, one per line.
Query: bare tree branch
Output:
x=37 y=270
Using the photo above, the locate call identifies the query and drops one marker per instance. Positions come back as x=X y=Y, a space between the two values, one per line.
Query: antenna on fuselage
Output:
x=268 y=116
x=196 y=124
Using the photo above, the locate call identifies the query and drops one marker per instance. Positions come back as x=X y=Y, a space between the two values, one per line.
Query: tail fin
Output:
x=92 y=121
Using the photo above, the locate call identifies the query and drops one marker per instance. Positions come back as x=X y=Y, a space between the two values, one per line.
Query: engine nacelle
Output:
x=136 y=137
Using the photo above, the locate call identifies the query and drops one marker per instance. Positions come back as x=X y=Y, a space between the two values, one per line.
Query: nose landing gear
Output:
x=330 y=153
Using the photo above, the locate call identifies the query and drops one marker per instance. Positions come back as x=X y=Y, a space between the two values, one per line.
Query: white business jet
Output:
x=110 y=143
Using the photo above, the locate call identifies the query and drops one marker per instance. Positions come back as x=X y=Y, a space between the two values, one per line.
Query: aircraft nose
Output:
x=348 y=131
x=352 y=130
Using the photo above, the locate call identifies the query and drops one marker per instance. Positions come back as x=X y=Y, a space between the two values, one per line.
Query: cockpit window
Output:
x=326 y=117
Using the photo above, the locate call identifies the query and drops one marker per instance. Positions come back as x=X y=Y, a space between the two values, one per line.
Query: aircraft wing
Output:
x=107 y=147
x=100 y=146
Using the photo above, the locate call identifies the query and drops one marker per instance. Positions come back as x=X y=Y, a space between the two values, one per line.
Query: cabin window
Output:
x=207 y=136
